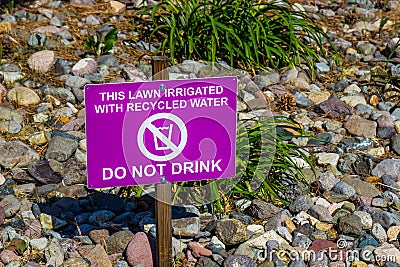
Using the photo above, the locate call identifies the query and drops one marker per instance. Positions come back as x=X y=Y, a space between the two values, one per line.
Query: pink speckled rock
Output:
x=139 y=250
x=7 y=256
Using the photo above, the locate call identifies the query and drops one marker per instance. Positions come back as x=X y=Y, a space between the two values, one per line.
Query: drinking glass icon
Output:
x=167 y=131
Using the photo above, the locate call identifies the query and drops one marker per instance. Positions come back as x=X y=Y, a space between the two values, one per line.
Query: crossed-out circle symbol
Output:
x=176 y=149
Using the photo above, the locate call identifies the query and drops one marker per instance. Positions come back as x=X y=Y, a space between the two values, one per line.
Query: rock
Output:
x=384 y=218
x=42 y=171
x=388 y=166
x=231 y=231
x=302 y=101
x=118 y=242
x=366 y=219
x=395 y=143
x=334 y=107
x=39 y=243
x=327 y=180
x=355 y=144
x=117 y=7
x=266 y=79
x=139 y=250
x=301 y=203
x=239 y=260
x=61 y=146
x=321 y=213
x=101 y=217
x=76 y=82
x=7 y=256
x=259 y=242
x=85 y=66
x=75 y=261
x=54 y=253
x=97 y=256
x=379 y=233
x=327 y=158
x=61 y=93
x=362 y=188
x=354 y=100
x=350 y=224
x=198 y=250
x=23 y=96
x=16 y=154
x=344 y=189
x=185 y=221
x=393 y=232
x=319 y=97
x=261 y=210
x=322 y=67
x=388 y=252
x=359 y=126
x=11 y=205
x=41 y=61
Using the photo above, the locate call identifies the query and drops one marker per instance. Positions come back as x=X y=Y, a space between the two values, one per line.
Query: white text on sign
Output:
x=177 y=168
x=152 y=99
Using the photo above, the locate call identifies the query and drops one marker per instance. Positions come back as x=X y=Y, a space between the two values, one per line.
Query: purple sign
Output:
x=146 y=132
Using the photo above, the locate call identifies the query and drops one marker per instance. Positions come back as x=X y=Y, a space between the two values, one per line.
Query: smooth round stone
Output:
x=23 y=96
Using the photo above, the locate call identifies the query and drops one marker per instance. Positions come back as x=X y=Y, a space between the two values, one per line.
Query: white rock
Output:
x=352 y=89
x=354 y=100
x=327 y=158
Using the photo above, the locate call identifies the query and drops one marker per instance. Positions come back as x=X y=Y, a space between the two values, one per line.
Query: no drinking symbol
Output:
x=170 y=137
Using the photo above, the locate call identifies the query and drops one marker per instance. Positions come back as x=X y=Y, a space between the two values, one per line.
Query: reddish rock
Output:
x=359 y=126
x=139 y=250
x=33 y=229
x=321 y=244
x=198 y=250
x=7 y=256
x=334 y=107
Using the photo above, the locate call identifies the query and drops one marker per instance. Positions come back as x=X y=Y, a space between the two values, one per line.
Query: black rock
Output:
x=246 y=219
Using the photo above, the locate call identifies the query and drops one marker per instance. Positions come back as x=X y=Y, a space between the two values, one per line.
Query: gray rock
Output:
x=363 y=110
x=301 y=203
x=109 y=60
x=384 y=218
x=388 y=166
x=320 y=259
x=54 y=253
x=61 y=93
x=262 y=210
x=61 y=146
x=289 y=76
x=16 y=154
x=386 y=132
x=185 y=221
x=327 y=180
x=395 y=143
x=344 y=189
x=301 y=240
x=63 y=66
x=76 y=82
x=131 y=73
x=266 y=79
x=92 y=20
x=386 y=106
x=322 y=67
x=302 y=101
x=355 y=144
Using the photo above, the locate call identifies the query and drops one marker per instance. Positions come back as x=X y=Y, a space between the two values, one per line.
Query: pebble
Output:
x=41 y=61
